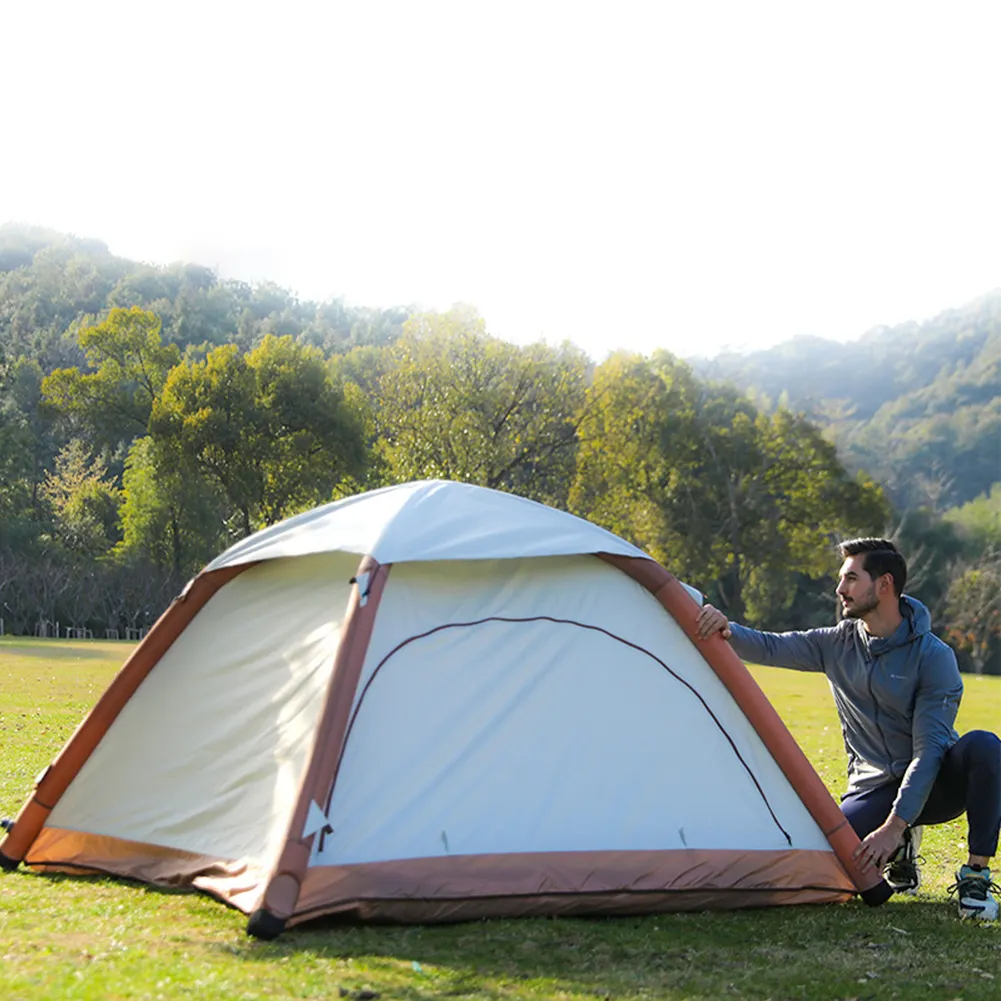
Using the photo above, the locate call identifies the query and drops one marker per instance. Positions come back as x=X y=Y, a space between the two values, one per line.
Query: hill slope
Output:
x=50 y=283
x=918 y=405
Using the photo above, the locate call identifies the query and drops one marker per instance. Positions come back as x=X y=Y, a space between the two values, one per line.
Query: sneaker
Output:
x=902 y=873
x=973 y=887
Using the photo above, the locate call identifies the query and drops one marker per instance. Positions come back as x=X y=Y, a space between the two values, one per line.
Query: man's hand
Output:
x=712 y=620
x=877 y=848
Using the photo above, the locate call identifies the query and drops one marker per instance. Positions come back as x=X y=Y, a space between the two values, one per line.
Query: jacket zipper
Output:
x=875 y=718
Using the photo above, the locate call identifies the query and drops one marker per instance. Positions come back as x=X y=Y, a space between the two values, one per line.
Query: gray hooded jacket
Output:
x=897 y=697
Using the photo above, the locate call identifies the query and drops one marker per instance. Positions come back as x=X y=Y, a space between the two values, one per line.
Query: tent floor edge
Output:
x=264 y=925
x=878 y=894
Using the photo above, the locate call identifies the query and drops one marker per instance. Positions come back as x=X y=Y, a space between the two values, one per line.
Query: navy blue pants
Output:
x=969 y=781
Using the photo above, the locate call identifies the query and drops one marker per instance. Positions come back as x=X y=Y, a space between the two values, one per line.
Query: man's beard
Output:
x=860 y=607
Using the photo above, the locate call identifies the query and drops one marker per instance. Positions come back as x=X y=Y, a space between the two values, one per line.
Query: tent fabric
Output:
x=208 y=755
x=563 y=650
x=497 y=709
x=429 y=520
x=238 y=883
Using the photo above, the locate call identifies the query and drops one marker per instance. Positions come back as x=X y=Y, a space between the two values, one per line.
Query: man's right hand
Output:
x=712 y=620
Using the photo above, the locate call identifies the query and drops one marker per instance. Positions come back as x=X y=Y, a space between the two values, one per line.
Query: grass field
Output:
x=88 y=938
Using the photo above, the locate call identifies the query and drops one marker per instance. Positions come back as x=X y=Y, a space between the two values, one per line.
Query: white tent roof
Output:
x=429 y=520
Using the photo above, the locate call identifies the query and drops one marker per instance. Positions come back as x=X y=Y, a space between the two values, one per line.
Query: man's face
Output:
x=856 y=589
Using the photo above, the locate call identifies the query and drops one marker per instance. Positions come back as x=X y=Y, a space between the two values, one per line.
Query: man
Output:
x=897 y=689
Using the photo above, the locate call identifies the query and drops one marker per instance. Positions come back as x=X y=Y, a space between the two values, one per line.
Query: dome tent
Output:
x=436 y=702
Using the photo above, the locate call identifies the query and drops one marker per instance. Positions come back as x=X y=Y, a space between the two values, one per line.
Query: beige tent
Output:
x=437 y=702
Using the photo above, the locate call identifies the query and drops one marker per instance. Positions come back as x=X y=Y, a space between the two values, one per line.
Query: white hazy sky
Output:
x=688 y=175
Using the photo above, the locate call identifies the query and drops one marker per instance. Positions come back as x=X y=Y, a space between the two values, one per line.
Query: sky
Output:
x=696 y=176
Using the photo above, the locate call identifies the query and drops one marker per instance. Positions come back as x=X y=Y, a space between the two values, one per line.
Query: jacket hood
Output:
x=917 y=623
x=918 y=614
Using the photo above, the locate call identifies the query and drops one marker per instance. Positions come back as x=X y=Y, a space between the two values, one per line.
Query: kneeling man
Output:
x=897 y=690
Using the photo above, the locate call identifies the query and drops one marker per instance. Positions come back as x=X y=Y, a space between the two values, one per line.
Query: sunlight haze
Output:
x=639 y=175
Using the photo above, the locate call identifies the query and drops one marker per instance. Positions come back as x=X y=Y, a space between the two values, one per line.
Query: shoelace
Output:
x=974 y=886
x=913 y=860
x=906 y=865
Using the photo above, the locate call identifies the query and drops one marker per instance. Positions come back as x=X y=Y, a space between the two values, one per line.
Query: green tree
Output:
x=15 y=445
x=731 y=500
x=455 y=403
x=130 y=366
x=979 y=521
x=84 y=503
x=934 y=550
x=973 y=611
x=27 y=441
x=637 y=409
x=805 y=500
x=270 y=429
x=171 y=515
x=364 y=367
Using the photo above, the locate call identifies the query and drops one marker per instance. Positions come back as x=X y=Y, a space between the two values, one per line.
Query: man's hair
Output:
x=879 y=556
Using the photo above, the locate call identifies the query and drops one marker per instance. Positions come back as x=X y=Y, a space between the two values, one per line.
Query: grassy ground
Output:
x=75 y=938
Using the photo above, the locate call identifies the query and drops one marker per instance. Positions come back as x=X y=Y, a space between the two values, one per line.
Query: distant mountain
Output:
x=918 y=406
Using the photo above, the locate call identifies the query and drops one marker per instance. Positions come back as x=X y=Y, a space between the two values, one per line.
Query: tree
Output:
x=84 y=504
x=171 y=515
x=934 y=550
x=979 y=520
x=731 y=500
x=455 y=403
x=27 y=441
x=625 y=468
x=67 y=278
x=130 y=366
x=271 y=429
x=973 y=610
x=775 y=495
x=808 y=501
x=15 y=447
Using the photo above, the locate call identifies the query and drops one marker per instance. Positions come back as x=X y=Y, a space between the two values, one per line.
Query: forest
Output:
x=918 y=405
x=152 y=416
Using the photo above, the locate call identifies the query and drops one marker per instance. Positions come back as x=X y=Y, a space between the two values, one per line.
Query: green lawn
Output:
x=77 y=938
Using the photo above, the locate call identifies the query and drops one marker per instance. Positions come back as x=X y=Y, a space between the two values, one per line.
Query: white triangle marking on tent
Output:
x=316 y=820
x=362 y=580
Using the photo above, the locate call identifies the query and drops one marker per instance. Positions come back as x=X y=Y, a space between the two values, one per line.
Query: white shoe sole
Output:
x=979 y=912
x=909 y=890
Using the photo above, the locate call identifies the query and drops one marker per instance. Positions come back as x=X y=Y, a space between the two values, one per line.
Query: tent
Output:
x=437 y=702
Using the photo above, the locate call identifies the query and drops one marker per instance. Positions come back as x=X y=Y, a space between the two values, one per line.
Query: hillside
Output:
x=50 y=283
x=204 y=409
x=918 y=406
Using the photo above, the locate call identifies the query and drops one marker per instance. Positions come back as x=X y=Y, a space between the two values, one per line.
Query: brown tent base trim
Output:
x=471 y=887
x=468 y=887
x=237 y=882
x=580 y=904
